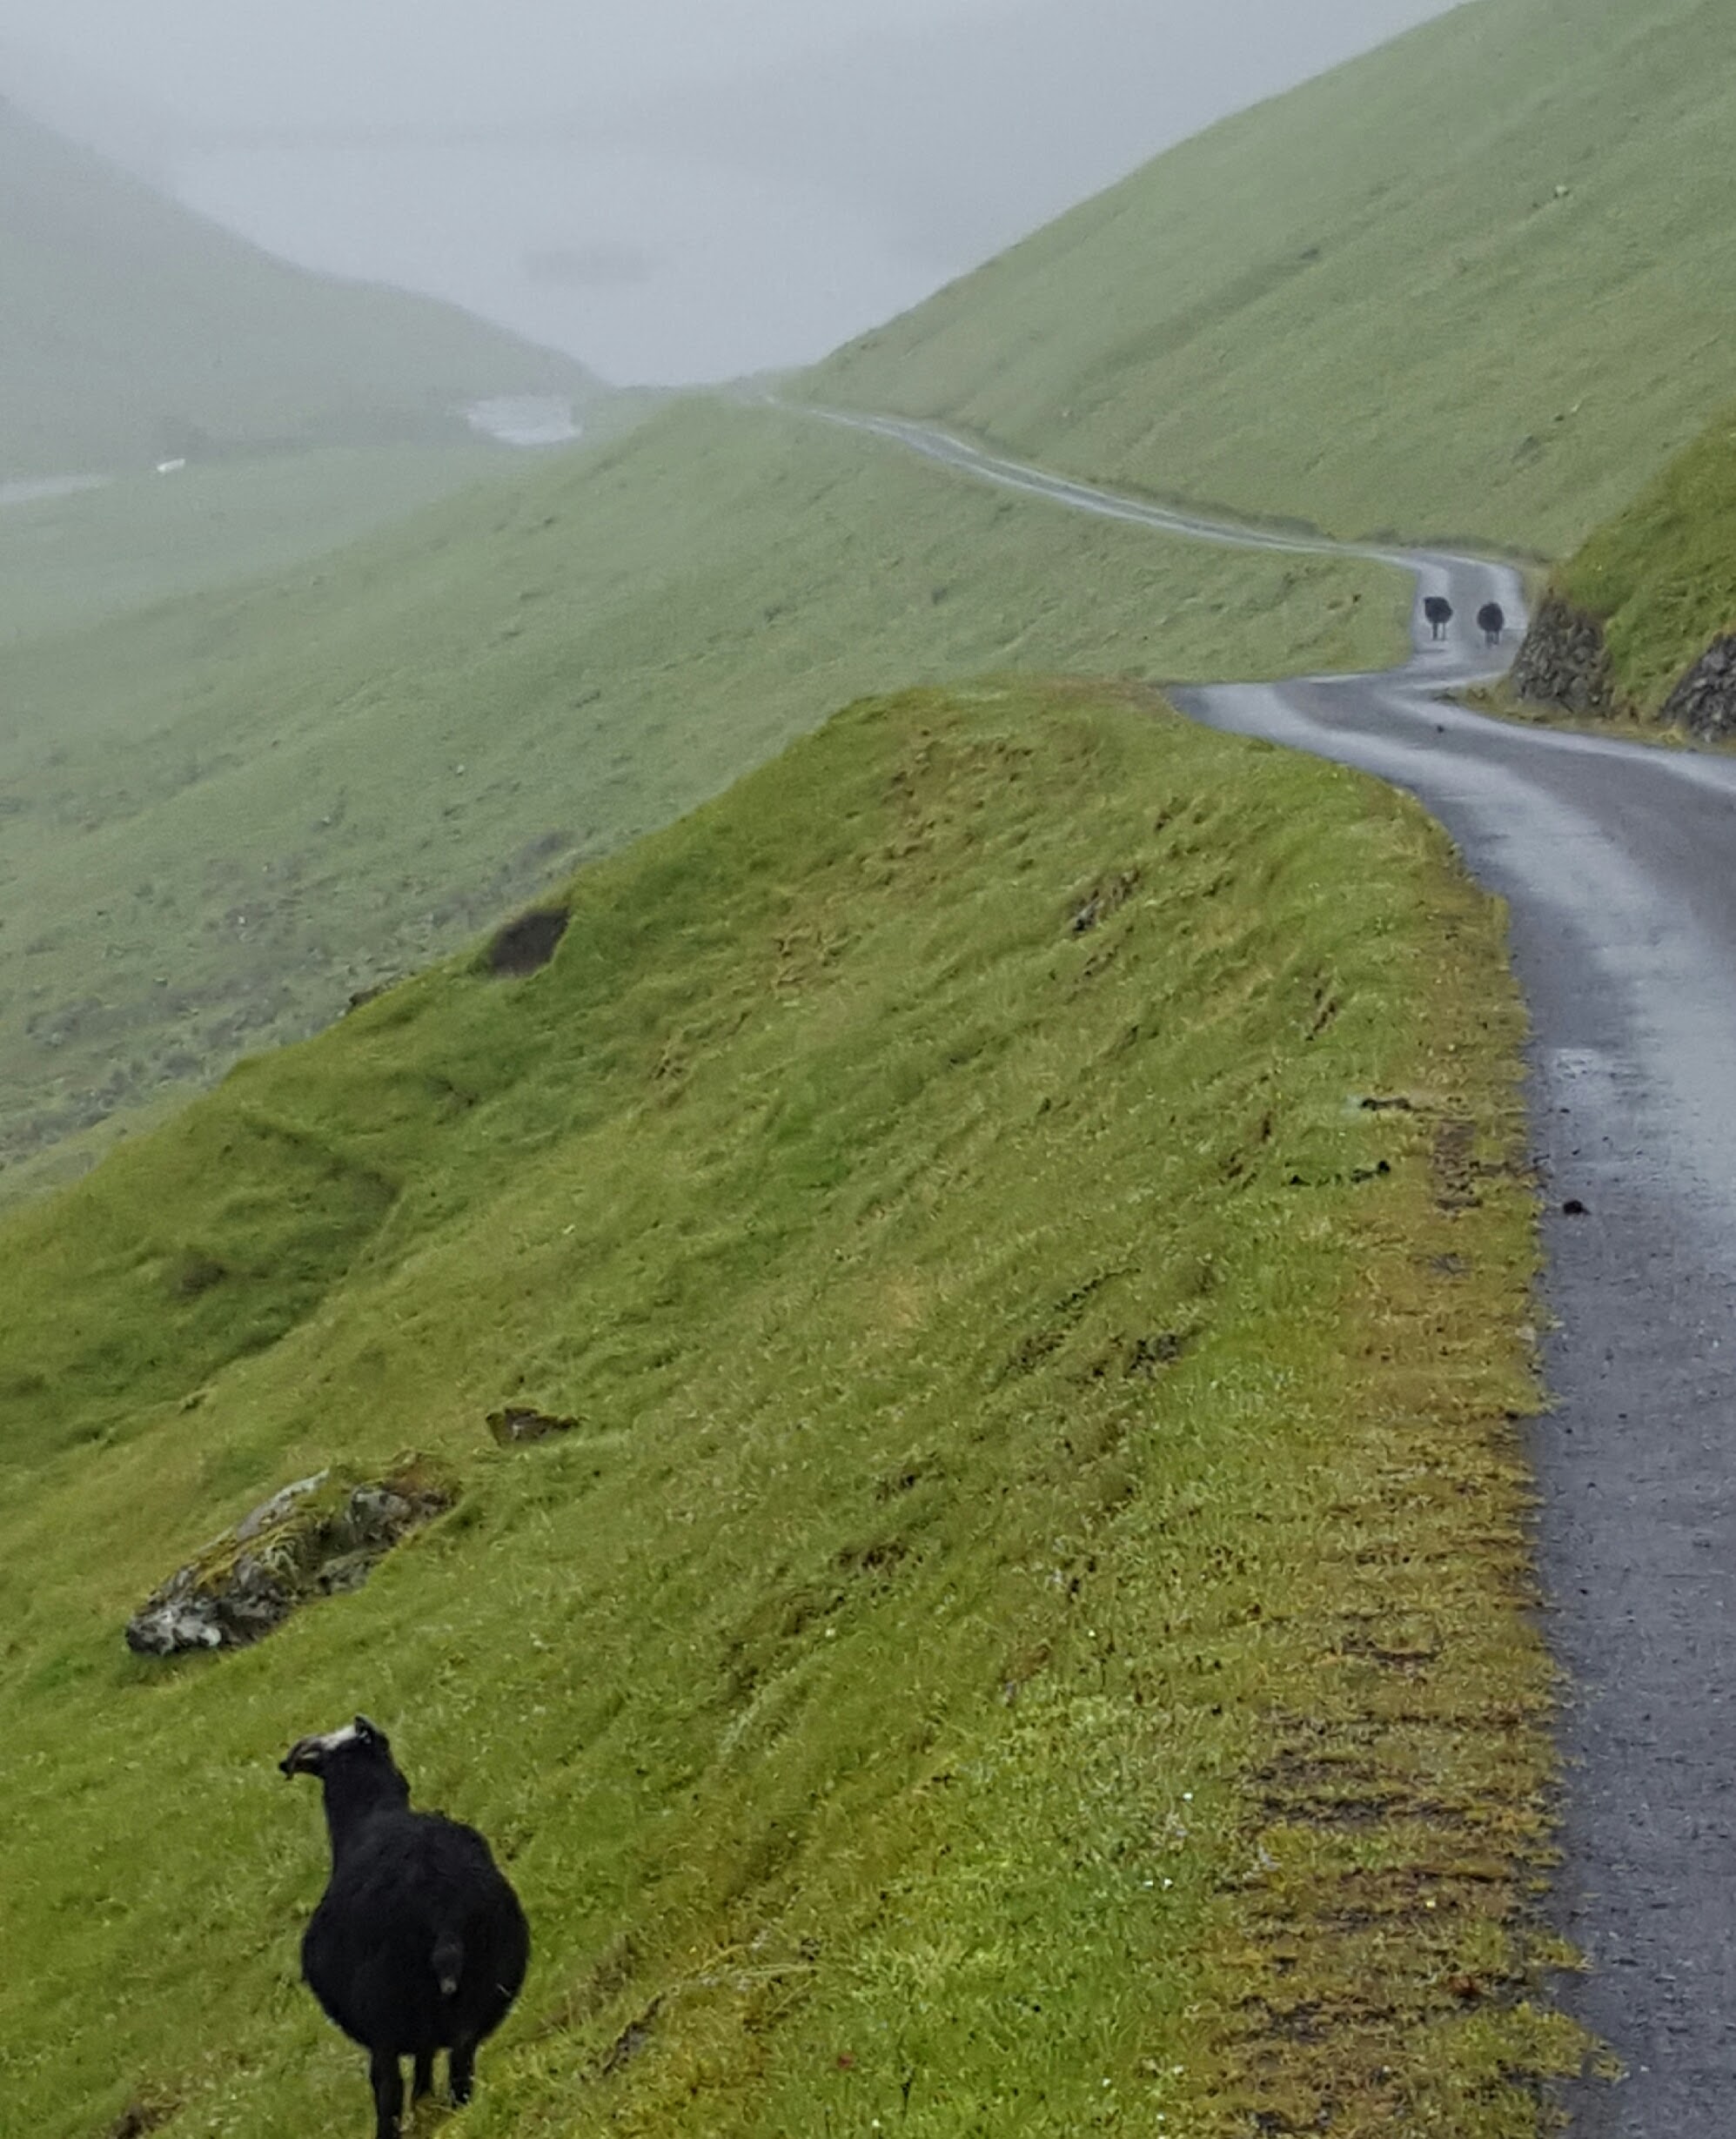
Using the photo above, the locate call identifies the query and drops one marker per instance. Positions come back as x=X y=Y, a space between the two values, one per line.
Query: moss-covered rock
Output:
x=315 y=1537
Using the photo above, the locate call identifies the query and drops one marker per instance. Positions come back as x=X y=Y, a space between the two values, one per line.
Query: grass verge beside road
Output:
x=1030 y=1633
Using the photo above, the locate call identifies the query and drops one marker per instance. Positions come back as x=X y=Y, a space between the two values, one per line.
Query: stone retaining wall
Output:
x=1564 y=661
x=1704 y=701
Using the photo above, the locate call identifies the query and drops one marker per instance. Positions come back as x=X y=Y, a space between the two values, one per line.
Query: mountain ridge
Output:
x=138 y=331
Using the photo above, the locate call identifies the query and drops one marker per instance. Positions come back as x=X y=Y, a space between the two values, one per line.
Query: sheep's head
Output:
x=356 y=1743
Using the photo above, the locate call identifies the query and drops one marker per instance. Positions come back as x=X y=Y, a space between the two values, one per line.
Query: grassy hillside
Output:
x=1661 y=576
x=1029 y=1634
x=68 y=562
x=1481 y=282
x=72 y=557
x=219 y=818
x=134 y=331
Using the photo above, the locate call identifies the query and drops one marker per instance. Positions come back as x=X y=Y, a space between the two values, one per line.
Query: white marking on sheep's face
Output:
x=308 y=1756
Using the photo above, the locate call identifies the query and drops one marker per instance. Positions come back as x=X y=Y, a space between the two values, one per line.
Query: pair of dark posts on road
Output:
x=1492 y=619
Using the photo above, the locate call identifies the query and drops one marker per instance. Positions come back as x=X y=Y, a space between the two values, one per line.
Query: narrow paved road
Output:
x=1618 y=863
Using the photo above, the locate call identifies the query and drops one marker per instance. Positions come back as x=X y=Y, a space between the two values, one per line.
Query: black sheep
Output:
x=1438 y=610
x=1492 y=622
x=418 y=1944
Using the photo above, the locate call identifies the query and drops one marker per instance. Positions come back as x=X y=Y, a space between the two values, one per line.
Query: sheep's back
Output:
x=405 y=1882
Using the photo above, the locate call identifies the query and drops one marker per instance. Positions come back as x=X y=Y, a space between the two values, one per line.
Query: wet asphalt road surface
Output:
x=1618 y=861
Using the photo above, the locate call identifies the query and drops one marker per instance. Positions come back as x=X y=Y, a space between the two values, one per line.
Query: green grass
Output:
x=1032 y=1633
x=221 y=816
x=1480 y=283
x=1661 y=576
x=136 y=331
x=70 y=561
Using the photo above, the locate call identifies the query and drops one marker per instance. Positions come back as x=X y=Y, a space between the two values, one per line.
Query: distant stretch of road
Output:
x=1618 y=864
x=32 y=487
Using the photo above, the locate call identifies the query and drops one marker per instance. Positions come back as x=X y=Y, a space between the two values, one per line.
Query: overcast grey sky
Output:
x=673 y=189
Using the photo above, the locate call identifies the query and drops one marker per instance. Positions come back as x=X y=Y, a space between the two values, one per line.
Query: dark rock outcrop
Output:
x=1564 y=661
x=1704 y=702
x=526 y=945
x=520 y=1423
x=316 y=1538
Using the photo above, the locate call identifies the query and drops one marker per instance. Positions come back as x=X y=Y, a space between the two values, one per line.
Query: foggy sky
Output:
x=673 y=190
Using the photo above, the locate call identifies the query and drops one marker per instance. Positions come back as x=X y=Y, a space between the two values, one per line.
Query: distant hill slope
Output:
x=1482 y=281
x=1634 y=613
x=131 y=330
x=220 y=816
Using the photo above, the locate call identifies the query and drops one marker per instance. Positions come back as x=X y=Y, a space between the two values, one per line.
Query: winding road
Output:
x=1618 y=863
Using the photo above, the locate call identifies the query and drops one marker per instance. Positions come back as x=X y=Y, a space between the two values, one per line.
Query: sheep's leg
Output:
x=423 y=2082
x=388 y=2094
x=463 y=2071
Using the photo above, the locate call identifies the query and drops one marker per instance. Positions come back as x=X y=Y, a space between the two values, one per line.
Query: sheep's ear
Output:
x=364 y=1728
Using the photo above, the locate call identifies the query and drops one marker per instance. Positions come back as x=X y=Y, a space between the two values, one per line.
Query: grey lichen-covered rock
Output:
x=1704 y=701
x=316 y=1537
x=1564 y=661
x=271 y=1512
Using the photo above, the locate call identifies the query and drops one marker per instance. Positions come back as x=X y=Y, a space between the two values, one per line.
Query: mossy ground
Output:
x=1031 y=1634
